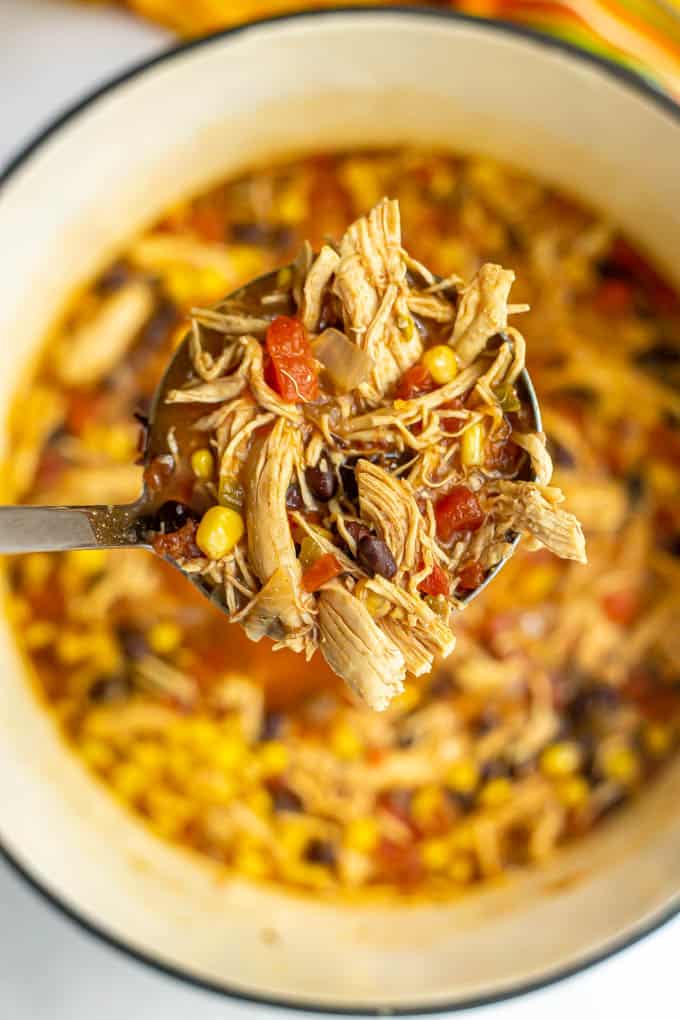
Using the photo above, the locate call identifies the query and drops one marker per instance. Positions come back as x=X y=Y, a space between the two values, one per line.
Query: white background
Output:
x=51 y=53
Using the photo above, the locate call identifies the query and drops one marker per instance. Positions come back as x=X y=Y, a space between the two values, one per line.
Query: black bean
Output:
x=272 y=724
x=264 y=234
x=108 y=689
x=673 y=545
x=488 y=720
x=294 y=500
x=609 y=269
x=561 y=456
x=595 y=698
x=349 y=481
x=132 y=642
x=661 y=355
x=113 y=278
x=495 y=768
x=173 y=515
x=357 y=530
x=635 y=486
x=583 y=394
x=465 y=802
x=284 y=799
x=405 y=740
x=374 y=555
x=322 y=482
x=155 y=332
x=320 y=851
x=442 y=685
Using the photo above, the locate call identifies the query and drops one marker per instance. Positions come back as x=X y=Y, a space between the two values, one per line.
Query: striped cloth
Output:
x=643 y=35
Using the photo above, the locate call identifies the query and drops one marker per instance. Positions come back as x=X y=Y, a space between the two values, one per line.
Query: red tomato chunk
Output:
x=436 y=583
x=456 y=512
x=415 y=381
x=471 y=576
x=322 y=570
x=294 y=371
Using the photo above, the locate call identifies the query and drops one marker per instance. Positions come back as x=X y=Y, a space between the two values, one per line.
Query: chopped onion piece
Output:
x=345 y=364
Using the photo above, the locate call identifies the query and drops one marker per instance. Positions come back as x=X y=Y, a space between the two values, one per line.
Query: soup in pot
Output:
x=562 y=698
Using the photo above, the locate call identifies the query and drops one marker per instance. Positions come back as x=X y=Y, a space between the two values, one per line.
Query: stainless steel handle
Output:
x=56 y=528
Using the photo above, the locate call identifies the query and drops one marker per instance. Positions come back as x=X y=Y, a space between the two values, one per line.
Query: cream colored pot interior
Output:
x=315 y=82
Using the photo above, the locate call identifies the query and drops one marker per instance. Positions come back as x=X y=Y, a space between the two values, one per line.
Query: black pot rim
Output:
x=634 y=83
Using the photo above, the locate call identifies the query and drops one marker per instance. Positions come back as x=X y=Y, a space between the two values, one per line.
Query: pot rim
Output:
x=624 y=76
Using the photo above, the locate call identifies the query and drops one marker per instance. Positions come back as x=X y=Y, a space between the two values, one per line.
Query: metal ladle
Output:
x=26 y=529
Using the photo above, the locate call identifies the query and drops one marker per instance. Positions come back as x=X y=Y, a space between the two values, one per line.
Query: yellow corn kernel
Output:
x=211 y=284
x=39 y=634
x=291 y=206
x=425 y=805
x=345 y=742
x=657 y=739
x=120 y=443
x=213 y=788
x=274 y=758
x=149 y=756
x=362 y=835
x=536 y=582
x=104 y=651
x=663 y=478
x=463 y=776
x=179 y=764
x=203 y=463
x=472 y=445
x=377 y=605
x=17 y=610
x=72 y=647
x=164 y=637
x=407 y=328
x=168 y=812
x=441 y=363
x=219 y=531
x=180 y=283
x=573 y=791
x=251 y=862
x=452 y=257
x=310 y=551
x=463 y=836
x=495 y=793
x=87 y=562
x=292 y=837
x=442 y=183
x=560 y=759
x=409 y=699
x=620 y=764
x=35 y=569
x=284 y=277
x=435 y=854
x=229 y=754
x=260 y=802
x=129 y=781
x=462 y=869
x=98 y=755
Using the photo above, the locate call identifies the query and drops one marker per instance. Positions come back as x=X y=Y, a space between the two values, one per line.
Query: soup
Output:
x=561 y=699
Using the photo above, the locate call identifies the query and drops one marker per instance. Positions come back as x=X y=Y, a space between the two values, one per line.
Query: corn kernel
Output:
x=362 y=834
x=463 y=776
x=435 y=854
x=180 y=283
x=17 y=610
x=211 y=284
x=229 y=754
x=251 y=862
x=292 y=206
x=663 y=478
x=536 y=583
x=149 y=756
x=293 y=837
x=203 y=463
x=495 y=793
x=128 y=780
x=462 y=869
x=179 y=764
x=284 y=277
x=39 y=634
x=219 y=531
x=87 y=562
x=35 y=569
x=345 y=742
x=441 y=183
x=472 y=445
x=441 y=363
x=408 y=699
x=103 y=651
x=98 y=755
x=260 y=802
x=463 y=837
x=425 y=805
x=407 y=328
x=213 y=788
x=560 y=759
x=72 y=647
x=620 y=764
x=573 y=791
x=657 y=739
x=164 y=637
x=274 y=758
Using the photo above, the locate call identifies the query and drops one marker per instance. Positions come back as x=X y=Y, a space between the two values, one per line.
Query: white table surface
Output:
x=50 y=54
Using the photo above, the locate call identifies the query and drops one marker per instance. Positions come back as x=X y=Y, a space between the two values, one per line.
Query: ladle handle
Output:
x=26 y=529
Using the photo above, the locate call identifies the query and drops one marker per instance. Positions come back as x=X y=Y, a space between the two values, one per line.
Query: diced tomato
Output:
x=322 y=570
x=83 y=408
x=415 y=381
x=458 y=511
x=665 y=443
x=400 y=862
x=207 y=222
x=436 y=583
x=621 y=606
x=471 y=576
x=614 y=297
x=295 y=371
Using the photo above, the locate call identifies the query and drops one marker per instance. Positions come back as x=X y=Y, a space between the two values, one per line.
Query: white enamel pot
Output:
x=315 y=81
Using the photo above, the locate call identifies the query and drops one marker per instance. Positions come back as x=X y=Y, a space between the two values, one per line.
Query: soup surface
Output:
x=562 y=697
